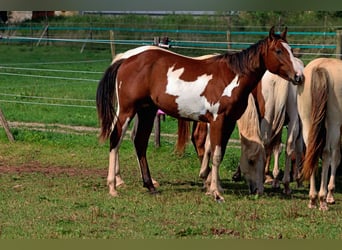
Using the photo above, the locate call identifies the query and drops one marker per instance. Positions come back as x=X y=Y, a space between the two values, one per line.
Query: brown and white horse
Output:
x=320 y=109
x=213 y=90
x=260 y=129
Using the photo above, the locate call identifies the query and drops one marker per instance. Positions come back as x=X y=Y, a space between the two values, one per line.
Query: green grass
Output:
x=65 y=194
x=75 y=203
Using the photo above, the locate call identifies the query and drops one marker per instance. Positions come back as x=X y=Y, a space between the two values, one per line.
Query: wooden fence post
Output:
x=229 y=40
x=43 y=33
x=112 y=45
x=339 y=44
x=4 y=123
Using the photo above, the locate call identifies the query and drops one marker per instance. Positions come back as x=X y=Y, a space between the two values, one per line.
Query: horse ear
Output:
x=283 y=34
x=271 y=33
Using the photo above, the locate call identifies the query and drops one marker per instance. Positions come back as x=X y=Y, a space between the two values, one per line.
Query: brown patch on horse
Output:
x=259 y=100
x=317 y=133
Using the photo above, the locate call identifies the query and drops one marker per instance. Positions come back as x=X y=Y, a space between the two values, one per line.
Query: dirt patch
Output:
x=36 y=167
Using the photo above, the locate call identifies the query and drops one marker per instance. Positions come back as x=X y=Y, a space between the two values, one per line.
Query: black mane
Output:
x=247 y=60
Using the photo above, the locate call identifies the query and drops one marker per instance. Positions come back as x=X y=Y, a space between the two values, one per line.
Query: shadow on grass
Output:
x=240 y=188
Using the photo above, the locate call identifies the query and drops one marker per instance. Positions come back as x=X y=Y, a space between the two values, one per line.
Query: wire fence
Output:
x=311 y=45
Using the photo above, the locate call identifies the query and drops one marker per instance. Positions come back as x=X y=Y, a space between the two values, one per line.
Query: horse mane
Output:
x=248 y=59
x=248 y=123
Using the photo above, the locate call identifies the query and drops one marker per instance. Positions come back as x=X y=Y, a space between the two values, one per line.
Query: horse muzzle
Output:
x=298 y=79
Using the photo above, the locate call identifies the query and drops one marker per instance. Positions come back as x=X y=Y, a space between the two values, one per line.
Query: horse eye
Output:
x=278 y=51
x=250 y=162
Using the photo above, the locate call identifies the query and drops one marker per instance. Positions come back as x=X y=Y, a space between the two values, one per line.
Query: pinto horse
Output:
x=320 y=109
x=213 y=90
x=273 y=105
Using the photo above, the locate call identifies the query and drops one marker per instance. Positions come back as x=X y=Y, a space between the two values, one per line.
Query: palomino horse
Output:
x=320 y=109
x=213 y=90
x=280 y=105
x=260 y=129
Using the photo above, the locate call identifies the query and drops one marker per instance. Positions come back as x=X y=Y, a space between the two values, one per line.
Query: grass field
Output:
x=53 y=185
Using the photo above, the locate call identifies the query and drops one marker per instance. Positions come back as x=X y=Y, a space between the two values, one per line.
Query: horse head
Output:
x=253 y=155
x=279 y=59
x=252 y=164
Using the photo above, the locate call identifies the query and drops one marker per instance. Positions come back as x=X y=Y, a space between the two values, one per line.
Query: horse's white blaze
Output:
x=298 y=67
x=191 y=104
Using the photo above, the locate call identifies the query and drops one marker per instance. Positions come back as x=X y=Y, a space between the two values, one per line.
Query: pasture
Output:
x=53 y=183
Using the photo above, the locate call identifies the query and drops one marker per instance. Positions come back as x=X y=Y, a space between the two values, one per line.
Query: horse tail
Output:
x=183 y=135
x=106 y=99
x=317 y=132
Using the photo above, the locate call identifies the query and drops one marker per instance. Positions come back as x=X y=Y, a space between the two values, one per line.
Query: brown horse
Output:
x=213 y=90
x=273 y=105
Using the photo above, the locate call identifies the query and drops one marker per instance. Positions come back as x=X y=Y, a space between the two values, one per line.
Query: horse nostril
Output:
x=299 y=78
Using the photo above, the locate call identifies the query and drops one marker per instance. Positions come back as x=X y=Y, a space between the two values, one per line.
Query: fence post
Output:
x=339 y=44
x=4 y=123
x=112 y=45
x=229 y=40
x=43 y=33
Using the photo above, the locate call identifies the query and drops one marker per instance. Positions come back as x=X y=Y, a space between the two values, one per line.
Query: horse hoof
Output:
x=155 y=183
x=312 y=205
x=154 y=192
x=118 y=181
x=330 y=201
x=268 y=179
x=219 y=200
x=218 y=197
x=323 y=207
x=287 y=191
x=113 y=193
x=237 y=177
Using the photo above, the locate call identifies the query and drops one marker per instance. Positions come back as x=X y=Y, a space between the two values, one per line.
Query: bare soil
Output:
x=36 y=167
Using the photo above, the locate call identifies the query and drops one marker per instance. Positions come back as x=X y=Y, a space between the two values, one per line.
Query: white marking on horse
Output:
x=297 y=65
x=190 y=102
x=229 y=89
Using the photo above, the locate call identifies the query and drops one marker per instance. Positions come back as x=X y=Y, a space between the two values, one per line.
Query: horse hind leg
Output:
x=133 y=134
x=335 y=160
x=143 y=130
x=113 y=179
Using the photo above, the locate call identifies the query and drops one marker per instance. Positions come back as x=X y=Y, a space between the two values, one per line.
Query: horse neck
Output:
x=249 y=63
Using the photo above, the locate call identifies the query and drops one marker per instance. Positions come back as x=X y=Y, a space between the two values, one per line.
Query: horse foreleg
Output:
x=220 y=131
x=215 y=188
x=142 y=134
x=276 y=171
x=277 y=147
x=268 y=177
